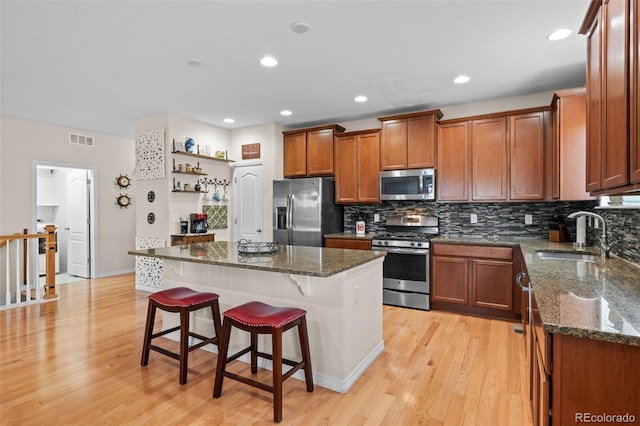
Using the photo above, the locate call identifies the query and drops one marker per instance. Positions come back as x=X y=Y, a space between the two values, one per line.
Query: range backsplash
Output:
x=507 y=219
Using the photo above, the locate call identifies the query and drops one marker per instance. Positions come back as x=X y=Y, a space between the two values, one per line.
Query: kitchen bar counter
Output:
x=595 y=300
x=340 y=289
x=299 y=260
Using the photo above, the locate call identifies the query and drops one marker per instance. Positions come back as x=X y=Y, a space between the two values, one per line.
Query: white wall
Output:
x=22 y=143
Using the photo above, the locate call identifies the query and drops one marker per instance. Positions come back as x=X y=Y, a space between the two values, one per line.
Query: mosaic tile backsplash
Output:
x=507 y=219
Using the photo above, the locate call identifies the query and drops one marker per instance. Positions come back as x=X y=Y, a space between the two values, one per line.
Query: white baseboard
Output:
x=341 y=386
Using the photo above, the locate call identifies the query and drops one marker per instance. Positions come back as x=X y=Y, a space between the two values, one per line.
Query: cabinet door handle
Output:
x=259 y=230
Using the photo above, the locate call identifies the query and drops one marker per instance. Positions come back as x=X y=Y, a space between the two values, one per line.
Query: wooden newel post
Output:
x=50 y=289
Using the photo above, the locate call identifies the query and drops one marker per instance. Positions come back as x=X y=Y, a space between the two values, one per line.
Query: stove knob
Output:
x=412 y=244
x=419 y=244
x=386 y=243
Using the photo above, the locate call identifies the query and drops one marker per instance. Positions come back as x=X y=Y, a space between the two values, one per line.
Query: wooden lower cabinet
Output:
x=474 y=279
x=573 y=378
x=492 y=284
x=450 y=280
x=347 y=243
x=540 y=390
x=592 y=378
x=179 y=240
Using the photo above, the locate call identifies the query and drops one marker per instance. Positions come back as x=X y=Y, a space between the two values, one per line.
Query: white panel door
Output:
x=78 y=207
x=248 y=204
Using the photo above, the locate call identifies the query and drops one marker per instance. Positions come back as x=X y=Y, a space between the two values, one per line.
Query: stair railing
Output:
x=19 y=285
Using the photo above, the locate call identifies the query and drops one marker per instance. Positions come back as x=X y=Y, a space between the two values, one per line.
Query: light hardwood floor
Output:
x=77 y=361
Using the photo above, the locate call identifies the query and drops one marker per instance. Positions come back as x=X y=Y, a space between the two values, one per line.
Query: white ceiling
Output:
x=102 y=65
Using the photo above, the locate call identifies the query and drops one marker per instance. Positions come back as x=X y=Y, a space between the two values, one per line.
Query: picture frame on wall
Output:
x=250 y=151
x=178 y=147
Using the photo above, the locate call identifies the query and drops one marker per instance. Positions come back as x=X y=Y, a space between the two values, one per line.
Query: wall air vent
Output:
x=83 y=140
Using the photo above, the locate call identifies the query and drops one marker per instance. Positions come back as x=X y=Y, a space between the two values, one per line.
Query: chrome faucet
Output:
x=604 y=247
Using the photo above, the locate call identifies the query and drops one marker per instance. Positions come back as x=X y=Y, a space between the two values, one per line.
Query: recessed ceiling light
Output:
x=300 y=27
x=269 y=61
x=559 y=34
x=196 y=63
x=285 y=112
x=360 y=98
x=229 y=120
x=461 y=79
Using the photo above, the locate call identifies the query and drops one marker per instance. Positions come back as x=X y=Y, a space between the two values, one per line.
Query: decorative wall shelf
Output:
x=205 y=157
x=188 y=173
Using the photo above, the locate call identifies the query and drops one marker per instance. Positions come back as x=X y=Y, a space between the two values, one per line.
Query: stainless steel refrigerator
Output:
x=304 y=210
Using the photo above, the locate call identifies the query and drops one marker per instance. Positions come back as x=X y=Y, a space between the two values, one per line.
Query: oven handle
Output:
x=402 y=251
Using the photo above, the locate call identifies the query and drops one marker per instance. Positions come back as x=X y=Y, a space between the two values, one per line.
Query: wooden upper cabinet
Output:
x=421 y=141
x=393 y=148
x=616 y=69
x=408 y=140
x=452 y=171
x=346 y=169
x=320 y=152
x=309 y=152
x=594 y=107
x=635 y=95
x=569 y=110
x=613 y=161
x=489 y=159
x=527 y=156
x=368 y=149
x=295 y=154
x=358 y=167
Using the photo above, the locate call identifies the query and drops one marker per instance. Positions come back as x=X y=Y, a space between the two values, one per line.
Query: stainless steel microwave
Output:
x=415 y=184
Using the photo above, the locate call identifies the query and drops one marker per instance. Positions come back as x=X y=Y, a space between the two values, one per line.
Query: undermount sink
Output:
x=560 y=255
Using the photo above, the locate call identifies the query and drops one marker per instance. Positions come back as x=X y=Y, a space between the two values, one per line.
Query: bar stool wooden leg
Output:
x=276 y=347
x=184 y=345
x=306 y=353
x=254 y=353
x=223 y=348
x=148 y=332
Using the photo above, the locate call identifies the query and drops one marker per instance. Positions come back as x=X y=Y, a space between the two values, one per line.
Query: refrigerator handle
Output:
x=289 y=217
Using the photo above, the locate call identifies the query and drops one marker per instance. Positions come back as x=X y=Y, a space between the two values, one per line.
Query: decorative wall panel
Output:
x=149 y=269
x=150 y=156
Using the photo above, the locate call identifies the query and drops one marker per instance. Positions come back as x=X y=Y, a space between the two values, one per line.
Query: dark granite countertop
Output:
x=597 y=300
x=299 y=260
x=351 y=236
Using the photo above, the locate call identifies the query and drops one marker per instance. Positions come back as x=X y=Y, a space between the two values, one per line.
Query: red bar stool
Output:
x=260 y=318
x=184 y=301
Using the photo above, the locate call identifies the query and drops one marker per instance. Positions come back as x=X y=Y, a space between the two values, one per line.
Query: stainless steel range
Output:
x=406 y=266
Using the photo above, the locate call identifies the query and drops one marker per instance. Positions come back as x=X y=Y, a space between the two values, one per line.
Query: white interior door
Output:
x=248 y=205
x=78 y=239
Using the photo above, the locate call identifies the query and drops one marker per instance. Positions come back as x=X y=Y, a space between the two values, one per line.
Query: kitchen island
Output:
x=340 y=289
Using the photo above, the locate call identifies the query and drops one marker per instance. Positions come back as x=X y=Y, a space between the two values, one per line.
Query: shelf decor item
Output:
x=189 y=145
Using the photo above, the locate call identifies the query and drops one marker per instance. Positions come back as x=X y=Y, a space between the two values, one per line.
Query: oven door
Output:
x=406 y=270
